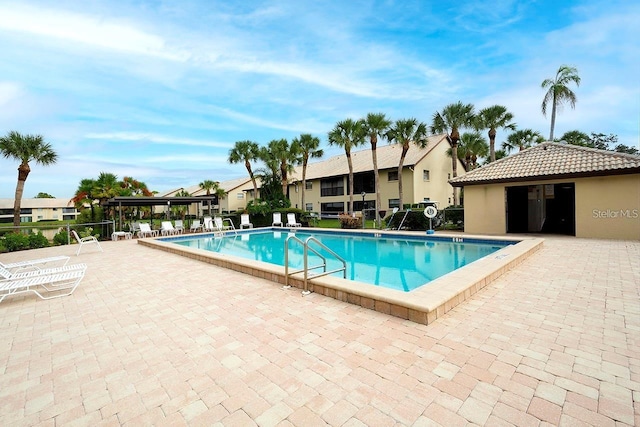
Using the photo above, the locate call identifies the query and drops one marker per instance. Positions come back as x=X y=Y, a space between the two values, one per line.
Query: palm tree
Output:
x=246 y=151
x=85 y=194
x=208 y=186
x=376 y=125
x=306 y=146
x=406 y=132
x=284 y=155
x=348 y=134
x=576 y=137
x=493 y=118
x=25 y=149
x=523 y=138
x=181 y=210
x=106 y=187
x=470 y=147
x=559 y=92
x=452 y=118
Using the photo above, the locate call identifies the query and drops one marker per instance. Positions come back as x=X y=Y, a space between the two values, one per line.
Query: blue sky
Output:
x=161 y=90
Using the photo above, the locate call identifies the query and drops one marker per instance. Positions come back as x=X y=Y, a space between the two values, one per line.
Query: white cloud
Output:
x=85 y=29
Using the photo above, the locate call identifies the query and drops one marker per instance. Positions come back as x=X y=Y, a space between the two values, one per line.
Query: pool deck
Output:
x=152 y=338
x=423 y=305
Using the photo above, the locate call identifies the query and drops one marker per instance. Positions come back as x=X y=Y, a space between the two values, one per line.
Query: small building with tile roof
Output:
x=425 y=176
x=555 y=188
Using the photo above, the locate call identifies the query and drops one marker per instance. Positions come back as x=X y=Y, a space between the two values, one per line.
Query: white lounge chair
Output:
x=146 y=231
x=244 y=221
x=89 y=240
x=195 y=226
x=219 y=224
x=135 y=228
x=277 y=219
x=167 y=229
x=208 y=224
x=60 y=281
x=291 y=220
x=179 y=226
x=35 y=264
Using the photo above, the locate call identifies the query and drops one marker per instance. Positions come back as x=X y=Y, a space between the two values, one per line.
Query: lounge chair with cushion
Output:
x=36 y=264
x=84 y=241
x=59 y=281
x=277 y=219
x=291 y=220
x=244 y=221
x=179 y=226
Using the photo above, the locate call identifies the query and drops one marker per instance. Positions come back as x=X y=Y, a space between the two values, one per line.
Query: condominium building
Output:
x=40 y=209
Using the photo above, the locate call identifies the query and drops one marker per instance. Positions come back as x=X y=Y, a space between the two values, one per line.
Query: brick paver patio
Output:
x=151 y=338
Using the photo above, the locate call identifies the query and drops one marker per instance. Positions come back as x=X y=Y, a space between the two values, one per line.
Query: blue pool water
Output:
x=393 y=261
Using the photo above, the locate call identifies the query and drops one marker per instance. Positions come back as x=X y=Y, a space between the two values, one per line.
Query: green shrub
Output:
x=16 y=242
x=415 y=220
x=38 y=241
x=61 y=238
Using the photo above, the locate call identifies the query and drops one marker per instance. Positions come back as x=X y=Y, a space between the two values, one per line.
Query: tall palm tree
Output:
x=376 y=125
x=25 y=149
x=492 y=118
x=306 y=146
x=209 y=185
x=521 y=139
x=348 y=134
x=471 y=147
x=283 y=155
x=246 y=151
x=558 y=92
x=450 y=120
x=406 y=132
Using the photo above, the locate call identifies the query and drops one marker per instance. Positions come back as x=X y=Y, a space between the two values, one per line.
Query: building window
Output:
x=308 y=185
x=68 y=217
x=332 y=187
x=394 y=203
x=40 y=217
x=425 y=175
x=69 y=210
x=392 y=175
x=332 y=209
x=364 y=182
x=308 y=207
x=240 y=196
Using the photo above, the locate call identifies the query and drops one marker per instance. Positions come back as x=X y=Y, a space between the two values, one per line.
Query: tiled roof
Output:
x=195 y=190
x=388 y=157
x=551 y=160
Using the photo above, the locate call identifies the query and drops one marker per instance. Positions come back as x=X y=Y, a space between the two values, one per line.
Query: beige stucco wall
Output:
x=606 y=207
x=484 y=209
x=438 y=163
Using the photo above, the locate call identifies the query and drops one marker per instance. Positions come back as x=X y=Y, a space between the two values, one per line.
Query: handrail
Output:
x=305 y=270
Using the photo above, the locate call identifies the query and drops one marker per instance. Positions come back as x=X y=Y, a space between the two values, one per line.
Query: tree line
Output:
x=280 y=157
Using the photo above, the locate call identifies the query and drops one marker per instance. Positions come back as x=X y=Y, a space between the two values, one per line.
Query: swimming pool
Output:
x=400 y=262
x=422 y=305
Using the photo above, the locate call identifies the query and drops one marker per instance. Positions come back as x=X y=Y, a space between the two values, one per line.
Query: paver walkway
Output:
x=150 y=338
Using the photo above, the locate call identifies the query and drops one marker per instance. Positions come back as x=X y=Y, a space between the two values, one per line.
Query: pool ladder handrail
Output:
x=306 y=268
x=403 y=218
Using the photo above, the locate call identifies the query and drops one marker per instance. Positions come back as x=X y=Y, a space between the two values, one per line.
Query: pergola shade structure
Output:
x=119 y=202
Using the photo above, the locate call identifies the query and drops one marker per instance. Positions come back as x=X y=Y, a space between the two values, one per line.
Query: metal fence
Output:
x=103 y=228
